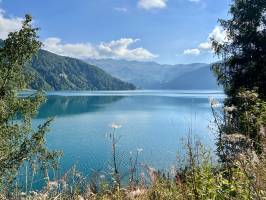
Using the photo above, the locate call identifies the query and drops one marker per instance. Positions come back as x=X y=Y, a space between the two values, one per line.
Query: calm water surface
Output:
x=155 y=121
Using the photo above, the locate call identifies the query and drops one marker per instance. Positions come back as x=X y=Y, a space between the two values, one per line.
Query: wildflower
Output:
x=80 y=197
x=139 y=150
x=33 y=193
x=173 y=170
x=78 y=175
x=116 y=126
x=136 y=193
x=153 y=174
x=53 y=184
x=63 y=183
x=263 y=130
x=102 y=176
x=230 y=108
x=214 y=102
x=23 y=194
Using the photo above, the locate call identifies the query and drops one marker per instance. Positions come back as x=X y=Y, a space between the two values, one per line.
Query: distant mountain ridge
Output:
x=152 y=75
x=201 y=78
x=54 y=72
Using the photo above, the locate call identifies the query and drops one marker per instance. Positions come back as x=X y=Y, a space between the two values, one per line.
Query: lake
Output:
x=157 y=122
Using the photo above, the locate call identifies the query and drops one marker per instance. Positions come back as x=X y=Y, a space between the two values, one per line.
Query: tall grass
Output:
x=196 y=178
x=240 y=175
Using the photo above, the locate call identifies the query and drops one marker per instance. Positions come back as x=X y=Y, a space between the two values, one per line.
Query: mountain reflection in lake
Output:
x=155 y=121
x=64 y=105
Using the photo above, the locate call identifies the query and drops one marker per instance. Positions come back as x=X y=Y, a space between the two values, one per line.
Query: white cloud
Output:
x=121 y=9
x=152 y=4
x=78 y=50
x=120 y=49
x=116 y=49
x=8 y=24
x=193 y=52
x=205 y=45
x=217 y=34
x=194 y=1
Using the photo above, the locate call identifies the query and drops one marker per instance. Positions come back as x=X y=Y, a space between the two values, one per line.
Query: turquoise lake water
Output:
x=155 y=121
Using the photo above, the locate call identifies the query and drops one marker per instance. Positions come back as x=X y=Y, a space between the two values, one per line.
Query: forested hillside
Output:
x=63 y=73
x=54 y=72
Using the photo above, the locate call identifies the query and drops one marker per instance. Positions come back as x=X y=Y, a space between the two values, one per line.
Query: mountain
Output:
x=69 y=105
x=54 y=72
x=63 y=73
x=151 y=75
x=197 y=79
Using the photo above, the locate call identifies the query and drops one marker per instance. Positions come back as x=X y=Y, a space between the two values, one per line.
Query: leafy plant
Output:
x=19 y=141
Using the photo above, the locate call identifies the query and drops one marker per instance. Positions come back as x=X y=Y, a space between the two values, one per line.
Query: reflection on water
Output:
x=155 y=121
x=69 y=105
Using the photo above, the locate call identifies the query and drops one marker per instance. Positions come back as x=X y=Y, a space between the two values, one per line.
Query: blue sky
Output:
x=166 y=31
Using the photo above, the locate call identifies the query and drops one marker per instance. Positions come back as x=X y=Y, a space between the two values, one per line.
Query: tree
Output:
x=19 y=141
x=244 y=53
x=242 y=71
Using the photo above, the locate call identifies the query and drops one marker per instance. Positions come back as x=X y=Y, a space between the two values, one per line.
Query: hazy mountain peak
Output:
x=152 y=75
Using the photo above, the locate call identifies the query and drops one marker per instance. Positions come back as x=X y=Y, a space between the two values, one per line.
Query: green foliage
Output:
x=241 y=127
x=54 y=72
x=200 y=180
x=209 y=185
x=49 y=71
x=249 y=117
x=242 y=72
x=244 y=53
x=19 y=142
x=197 y=179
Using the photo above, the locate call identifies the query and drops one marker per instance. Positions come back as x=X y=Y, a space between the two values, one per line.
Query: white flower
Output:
x=53 y=184
x=63 y=183
x=136 y=193
x=139 y=150
x=116 y=126
x=102 y=176
x=23 y=194
x=33 y=193
x=230 y=109
x=173 y=170
x=80 y=197
x=214 y=103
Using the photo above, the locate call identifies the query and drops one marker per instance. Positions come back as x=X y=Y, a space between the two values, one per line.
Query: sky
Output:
x=164 y=31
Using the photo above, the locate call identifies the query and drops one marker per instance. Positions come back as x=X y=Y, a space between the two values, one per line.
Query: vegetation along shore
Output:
x=236 y=171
